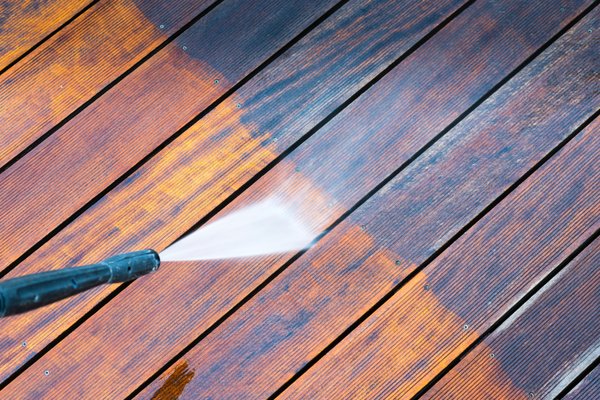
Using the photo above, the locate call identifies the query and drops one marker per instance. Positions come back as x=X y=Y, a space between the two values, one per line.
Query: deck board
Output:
x=232 y=152
x=557 y=326
x=444 y=153
x=24 y=24
x=69 y=70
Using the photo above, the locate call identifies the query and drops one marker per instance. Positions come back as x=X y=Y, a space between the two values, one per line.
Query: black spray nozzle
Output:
x=28 y=292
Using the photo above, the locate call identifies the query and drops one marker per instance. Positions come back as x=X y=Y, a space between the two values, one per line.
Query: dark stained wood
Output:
x=295 y=317
x=105 y=140
x=444 y=308
x=25 y=23
x=80 y=60
x=588 y=388
x=542 y=346
x=218 y=154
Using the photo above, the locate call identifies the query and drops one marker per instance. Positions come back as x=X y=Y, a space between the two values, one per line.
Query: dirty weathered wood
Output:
x=25 y=23
x=327 y=289
x=83 y=58
x=71 y=167
x=221 y=152
x=542 y=346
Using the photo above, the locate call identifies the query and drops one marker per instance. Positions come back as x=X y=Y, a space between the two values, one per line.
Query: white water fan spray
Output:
x=264 y=228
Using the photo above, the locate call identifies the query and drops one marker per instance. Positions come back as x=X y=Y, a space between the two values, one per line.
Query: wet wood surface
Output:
x=113 y=134
x=453 y=300
x=253 y=134
x=24 y=24
x=69 y=69
x=450 y=186
x=557 y=325
x=353 y=268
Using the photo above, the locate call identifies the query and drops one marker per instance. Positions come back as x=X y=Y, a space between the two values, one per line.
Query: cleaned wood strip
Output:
x=25 y=23
x=105 y=140
x=588 y=388
x=542 y=347
x=324 y=292
x=445 y=307
x=83 y=58
x=222 y=152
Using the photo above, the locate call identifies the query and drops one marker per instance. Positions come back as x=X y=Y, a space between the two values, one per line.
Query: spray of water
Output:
x=264 y=228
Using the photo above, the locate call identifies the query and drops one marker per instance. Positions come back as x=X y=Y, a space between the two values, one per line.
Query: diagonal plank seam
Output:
x=588 y=370
x=47 y=37
x=371 y=193
x=507 y=315
x=437 y=253
x=106 y=88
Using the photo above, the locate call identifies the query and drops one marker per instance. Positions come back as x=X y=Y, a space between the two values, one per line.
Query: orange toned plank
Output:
x=109 y=137
x=221 y=152
x=25 y=23
x=310 y=304
x=588 y=388
x=440 y=312
x=542 y=347
x=69 y=69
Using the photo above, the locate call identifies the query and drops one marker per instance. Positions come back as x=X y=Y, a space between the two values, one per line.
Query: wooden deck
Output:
x=447 y=152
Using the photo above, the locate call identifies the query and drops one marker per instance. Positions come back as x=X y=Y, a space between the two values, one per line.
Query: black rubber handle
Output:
x=26 y=293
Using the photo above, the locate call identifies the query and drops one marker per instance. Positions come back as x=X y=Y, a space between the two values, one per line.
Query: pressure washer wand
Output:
x=28 y=292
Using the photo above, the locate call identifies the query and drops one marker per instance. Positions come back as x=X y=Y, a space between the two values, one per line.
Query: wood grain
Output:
x=25 y=23
x=588 y=388
x=312 y=302
x=221 y=152
x=409 y=339
x=542 y=346
x=80 y=60
x=109 y=137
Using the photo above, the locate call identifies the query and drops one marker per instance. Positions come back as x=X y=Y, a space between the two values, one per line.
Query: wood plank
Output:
x=79 y=61
x=542 y=347
x=57 y=178
x=292 y=319
x=445 y=307
x=221 y=152
x=588 y=388
x=23 y=24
